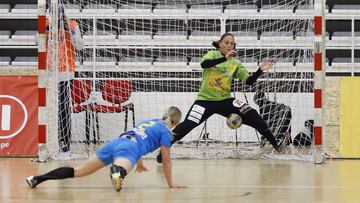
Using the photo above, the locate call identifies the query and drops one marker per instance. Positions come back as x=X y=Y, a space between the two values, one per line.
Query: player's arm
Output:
x=213 y=62
x=252 y=78
x=263 y=66
x=140 y=166
x=166 y=161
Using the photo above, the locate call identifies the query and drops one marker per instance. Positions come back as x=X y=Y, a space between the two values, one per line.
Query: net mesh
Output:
x=133 y=59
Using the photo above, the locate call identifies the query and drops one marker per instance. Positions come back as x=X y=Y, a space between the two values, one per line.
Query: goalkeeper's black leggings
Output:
x=202 y=110
x=64 y=114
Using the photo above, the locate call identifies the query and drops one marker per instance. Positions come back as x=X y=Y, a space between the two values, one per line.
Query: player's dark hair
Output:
x=216 y=43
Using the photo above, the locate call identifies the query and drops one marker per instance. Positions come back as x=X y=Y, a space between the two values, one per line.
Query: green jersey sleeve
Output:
x=213 y=54
x=242 y=74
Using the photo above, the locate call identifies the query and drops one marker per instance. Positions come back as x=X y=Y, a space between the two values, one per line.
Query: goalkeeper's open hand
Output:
x=265 y=65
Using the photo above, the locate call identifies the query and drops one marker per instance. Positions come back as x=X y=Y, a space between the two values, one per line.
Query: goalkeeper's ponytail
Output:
x=216 y=44
x=171 y=116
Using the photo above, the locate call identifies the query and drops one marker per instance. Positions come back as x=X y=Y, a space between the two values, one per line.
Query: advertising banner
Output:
x=18 y=115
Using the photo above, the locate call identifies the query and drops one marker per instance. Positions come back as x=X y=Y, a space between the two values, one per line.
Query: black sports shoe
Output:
x=283 y=143
x=31 y=181
x=159 y=158
x=116 y=178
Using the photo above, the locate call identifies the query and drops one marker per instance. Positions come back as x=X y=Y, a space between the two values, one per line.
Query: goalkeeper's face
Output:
x=227 y=44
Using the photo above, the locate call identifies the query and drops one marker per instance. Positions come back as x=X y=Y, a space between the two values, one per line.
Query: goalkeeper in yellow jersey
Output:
x=214 y=97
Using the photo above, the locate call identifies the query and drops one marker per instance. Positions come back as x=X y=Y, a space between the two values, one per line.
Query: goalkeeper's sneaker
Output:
x=283 y=143
x=31 y=181
x=116 y=178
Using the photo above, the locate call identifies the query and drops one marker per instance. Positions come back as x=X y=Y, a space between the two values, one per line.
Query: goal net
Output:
x=140 y=57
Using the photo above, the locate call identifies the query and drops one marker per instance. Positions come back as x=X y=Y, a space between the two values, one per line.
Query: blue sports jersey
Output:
x=150 y=135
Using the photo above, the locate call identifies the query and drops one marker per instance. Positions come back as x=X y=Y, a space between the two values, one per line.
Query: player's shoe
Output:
x=116 y=178
x=31 y=181
x=283 y=143
x=159 y=158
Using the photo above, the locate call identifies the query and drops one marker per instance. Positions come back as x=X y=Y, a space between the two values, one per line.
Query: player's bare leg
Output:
x=88 y=167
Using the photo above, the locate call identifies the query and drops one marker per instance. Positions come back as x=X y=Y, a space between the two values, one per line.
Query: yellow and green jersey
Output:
x=217 y=80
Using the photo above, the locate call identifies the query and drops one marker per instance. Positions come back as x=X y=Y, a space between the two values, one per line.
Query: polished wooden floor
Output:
x=208 y=180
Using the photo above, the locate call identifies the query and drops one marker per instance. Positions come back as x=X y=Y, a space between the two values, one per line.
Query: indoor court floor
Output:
x=226 y=180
